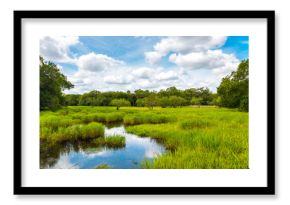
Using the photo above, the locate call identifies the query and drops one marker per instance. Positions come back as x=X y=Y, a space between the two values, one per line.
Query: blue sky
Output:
x=144 y=62
x=238 y=45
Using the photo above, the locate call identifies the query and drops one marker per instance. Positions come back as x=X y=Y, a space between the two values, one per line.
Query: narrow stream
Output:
x=85 y=156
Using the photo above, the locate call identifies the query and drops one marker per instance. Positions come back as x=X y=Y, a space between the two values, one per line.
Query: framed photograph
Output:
x=144 y=102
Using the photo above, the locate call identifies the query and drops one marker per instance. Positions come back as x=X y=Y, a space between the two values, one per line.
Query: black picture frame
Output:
x=268 y=190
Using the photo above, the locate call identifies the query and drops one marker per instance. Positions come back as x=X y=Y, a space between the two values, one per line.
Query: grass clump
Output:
x=114 y=117
x=92 y=130
x=146 y=118
x=115 y=141
x=99 y=117
x=74 y=132
x=54 y=122
x=195 y=123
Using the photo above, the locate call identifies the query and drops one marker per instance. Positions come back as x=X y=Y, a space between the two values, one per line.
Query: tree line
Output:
x=170 y=97
x=232 y=92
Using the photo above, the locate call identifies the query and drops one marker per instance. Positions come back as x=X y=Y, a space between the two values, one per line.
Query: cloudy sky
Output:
x=121 y=63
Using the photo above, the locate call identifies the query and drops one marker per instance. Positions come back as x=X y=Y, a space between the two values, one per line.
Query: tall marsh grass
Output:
x=147 y=118
x=203 y=138
x=74 y=132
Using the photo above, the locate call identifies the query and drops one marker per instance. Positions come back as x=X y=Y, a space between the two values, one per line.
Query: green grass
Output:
x=74 y=132
x=201 y=138
x=195 y=123
x=99 y=117
x=112 y=141
x=147 y=118
x=195 y=137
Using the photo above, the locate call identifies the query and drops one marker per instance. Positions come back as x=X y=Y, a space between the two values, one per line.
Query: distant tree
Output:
x=90 y=98
x=234 y=89
x=163 y=93
x=216 y=100
x=244 y=104
x=141 y=93
x=196 y=101
x=164 y=102
x=52 y=83
x=140 y=102
x=175 y=101
x=205 y=95
x=173 y=91
x=151 y=101
x=132 y=98
x=120 y=103
x=72 y=99
x=188 y=94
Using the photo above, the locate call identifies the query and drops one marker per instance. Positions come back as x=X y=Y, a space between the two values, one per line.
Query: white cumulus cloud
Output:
x=118 y=79
x=189 y=43
x=167 y=75
x=146 y=84
x=57 y=48
x=97 y=62
x=143 y=72
x=210 y=59
x=183 y=44
x=153 y=57
x=193 y=62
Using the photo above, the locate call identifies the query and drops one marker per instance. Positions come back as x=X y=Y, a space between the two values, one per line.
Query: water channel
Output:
x=83 y=155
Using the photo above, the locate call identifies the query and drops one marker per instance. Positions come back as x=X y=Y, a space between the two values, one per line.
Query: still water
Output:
x=83 y=155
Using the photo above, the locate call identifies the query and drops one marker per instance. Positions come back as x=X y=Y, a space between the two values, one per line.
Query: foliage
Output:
x=72 y=99
x=141 y=98
x=52 y=83
x=164 y=102
x=175 y=101
x=205 y=95
x=151 y=101
x=120 y=103
x=234 y=89
x=196 y=101
x=244 y=104
x=140 y=102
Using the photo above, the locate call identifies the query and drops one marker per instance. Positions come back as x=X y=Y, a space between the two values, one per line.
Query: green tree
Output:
x=52 y=83
x=188 y=94
x=234 y=89
x=72 y=99
x=196 y=101
x=151 y=101
x=120 y=103
x=164 y=102
x=140 y=102
x=173 y=91
x=216 y=100
x=175 y=101
x=205 y=95
x=141 y=93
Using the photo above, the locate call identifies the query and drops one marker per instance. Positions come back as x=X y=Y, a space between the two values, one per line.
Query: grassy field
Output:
x=195 y=137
